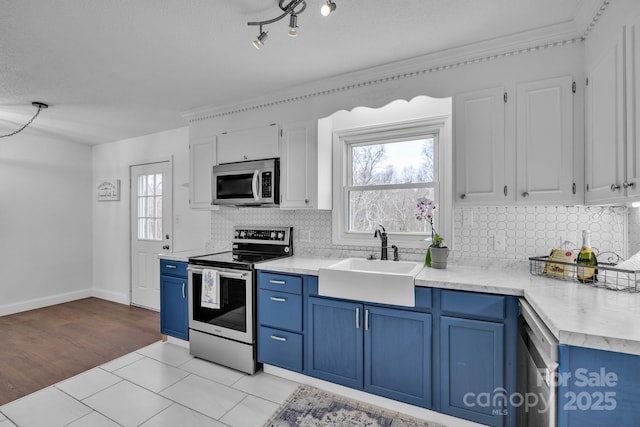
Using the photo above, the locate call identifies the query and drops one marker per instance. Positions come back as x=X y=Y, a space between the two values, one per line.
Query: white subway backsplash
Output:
x=527 y=230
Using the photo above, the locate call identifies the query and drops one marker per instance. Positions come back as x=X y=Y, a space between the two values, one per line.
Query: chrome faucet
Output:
x=383 y=240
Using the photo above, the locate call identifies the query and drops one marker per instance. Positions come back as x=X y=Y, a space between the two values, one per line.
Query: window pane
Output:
x=150 y=207
x=393 y=162
x=158 y=189
x=394 y=209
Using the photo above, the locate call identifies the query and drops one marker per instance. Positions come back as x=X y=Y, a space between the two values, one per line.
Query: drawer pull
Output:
x=278 y=299
x=277 y=338
x=171 y=266
x=277 y=282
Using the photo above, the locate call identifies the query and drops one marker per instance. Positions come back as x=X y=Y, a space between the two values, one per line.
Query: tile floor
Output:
x=158 y=385
x=162 y=385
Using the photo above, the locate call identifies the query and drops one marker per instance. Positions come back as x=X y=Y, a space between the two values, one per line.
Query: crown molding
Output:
x=488 y=50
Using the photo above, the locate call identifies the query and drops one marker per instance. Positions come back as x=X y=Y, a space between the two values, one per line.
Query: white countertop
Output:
x=576 y=314
x=183 y=255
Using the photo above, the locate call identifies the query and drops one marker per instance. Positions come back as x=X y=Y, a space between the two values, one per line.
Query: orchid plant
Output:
x=425 y=208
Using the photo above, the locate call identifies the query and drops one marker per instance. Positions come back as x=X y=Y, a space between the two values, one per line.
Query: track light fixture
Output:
x=293 y=8
x=327 y=8
x=259 y=42
x=40 y=106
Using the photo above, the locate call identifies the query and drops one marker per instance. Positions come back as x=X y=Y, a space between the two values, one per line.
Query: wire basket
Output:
x=607 y=275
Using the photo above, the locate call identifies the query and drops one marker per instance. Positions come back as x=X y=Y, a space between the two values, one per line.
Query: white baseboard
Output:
x=111 y=296
x=32 y=304
x=18 y=307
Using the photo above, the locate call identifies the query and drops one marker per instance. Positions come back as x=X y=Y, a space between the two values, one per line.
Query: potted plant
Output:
x=437 y=253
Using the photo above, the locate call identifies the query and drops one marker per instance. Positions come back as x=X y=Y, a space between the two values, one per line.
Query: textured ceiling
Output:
x=116 y=69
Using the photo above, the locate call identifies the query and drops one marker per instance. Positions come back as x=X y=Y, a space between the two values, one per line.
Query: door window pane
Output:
x=150 y=207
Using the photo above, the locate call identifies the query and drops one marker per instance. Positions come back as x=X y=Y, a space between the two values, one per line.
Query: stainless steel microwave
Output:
x=251 y=183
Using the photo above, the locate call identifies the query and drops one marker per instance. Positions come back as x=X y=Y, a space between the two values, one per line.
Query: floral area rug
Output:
x=311 y=407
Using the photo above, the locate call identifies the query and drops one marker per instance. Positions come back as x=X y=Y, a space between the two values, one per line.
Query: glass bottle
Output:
x=587 y=257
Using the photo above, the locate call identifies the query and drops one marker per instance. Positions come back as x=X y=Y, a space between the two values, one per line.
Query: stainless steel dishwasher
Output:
x=537 y=370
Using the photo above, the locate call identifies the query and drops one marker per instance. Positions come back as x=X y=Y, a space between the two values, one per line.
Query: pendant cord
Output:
x=40 y=108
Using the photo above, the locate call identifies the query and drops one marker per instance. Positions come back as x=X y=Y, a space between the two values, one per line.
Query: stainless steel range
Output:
x=222 y=291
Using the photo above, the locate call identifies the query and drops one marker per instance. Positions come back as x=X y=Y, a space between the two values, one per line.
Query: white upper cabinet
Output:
x=297 y=165
x=632 y=181
x=544 y=123
x=479 y=147
x=202 y=157
x=604 y=150
x=305 y=167
x=248 y=144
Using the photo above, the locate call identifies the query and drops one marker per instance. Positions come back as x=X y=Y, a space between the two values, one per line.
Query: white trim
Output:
x=402 y=130
x=119 y=297
x=47 y=301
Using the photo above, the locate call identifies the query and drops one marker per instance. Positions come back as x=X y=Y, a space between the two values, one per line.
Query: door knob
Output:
x=165 y=246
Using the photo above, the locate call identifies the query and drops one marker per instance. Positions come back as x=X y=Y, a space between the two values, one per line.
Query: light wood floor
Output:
x=41 y=347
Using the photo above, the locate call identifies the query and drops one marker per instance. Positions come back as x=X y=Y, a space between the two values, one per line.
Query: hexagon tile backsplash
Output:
x=526 y=231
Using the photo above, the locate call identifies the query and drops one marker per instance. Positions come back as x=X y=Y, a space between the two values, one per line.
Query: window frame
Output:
x=437 y=127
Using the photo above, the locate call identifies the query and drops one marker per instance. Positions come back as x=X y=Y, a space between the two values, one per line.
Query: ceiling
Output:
x=116 y=69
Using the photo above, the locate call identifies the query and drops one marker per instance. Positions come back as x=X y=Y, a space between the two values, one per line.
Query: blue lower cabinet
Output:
x=335 y=341
x=472 y=366
x=380 y=350
x=398 y=355
x=174 y=318
x=598 y=388
x=280 y=348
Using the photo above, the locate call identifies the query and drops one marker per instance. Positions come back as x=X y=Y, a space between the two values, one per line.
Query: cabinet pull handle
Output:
x=525 y=194
x=366 y=320
x=357 y=318
x=278 y=299
x=277 y=282
x=277 y=338
x=627 y=184
x=171 y=266
x=615 y=187
x=463 y=196
x=183 y=288
x=573 y=188
x=505 y=191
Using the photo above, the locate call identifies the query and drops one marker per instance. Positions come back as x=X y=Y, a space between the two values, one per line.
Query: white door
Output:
x=150 y=229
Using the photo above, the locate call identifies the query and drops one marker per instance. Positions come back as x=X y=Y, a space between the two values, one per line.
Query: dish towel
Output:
x=210 y=289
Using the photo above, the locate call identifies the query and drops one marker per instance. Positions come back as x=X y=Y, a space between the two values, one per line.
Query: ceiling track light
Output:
x=40 y=106
x=327 y=8
x=292 y=9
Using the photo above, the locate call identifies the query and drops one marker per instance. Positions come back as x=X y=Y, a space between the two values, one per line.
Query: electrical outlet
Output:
x=499 y=241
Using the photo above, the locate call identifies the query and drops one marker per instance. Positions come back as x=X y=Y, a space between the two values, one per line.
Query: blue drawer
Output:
x=173 y=268
x=280 y=348
x=280 y=310
x=474 y=304
x=280 y=282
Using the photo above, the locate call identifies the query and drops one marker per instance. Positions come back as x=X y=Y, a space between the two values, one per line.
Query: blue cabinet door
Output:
x=174 y=319
x=335 y=341
x=398 y=355
x=472 y=370
x=598 y=388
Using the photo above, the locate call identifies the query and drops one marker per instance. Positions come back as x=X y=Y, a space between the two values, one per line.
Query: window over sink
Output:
x=380 y=170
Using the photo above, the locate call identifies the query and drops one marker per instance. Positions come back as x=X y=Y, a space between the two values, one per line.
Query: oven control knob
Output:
x=286 y=249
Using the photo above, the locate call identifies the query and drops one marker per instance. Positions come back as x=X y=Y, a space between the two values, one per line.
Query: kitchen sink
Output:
x=386 y=282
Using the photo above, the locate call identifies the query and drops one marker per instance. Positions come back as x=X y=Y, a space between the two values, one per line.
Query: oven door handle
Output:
x=198 y=270
x=254 y=185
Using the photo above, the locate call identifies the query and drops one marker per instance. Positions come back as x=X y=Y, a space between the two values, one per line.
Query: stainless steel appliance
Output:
x=227 y=335
x=253 y=183
x=537 y=370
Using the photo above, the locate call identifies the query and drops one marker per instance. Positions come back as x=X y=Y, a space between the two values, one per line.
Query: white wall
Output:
x=45 y=222
x=191 y=229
